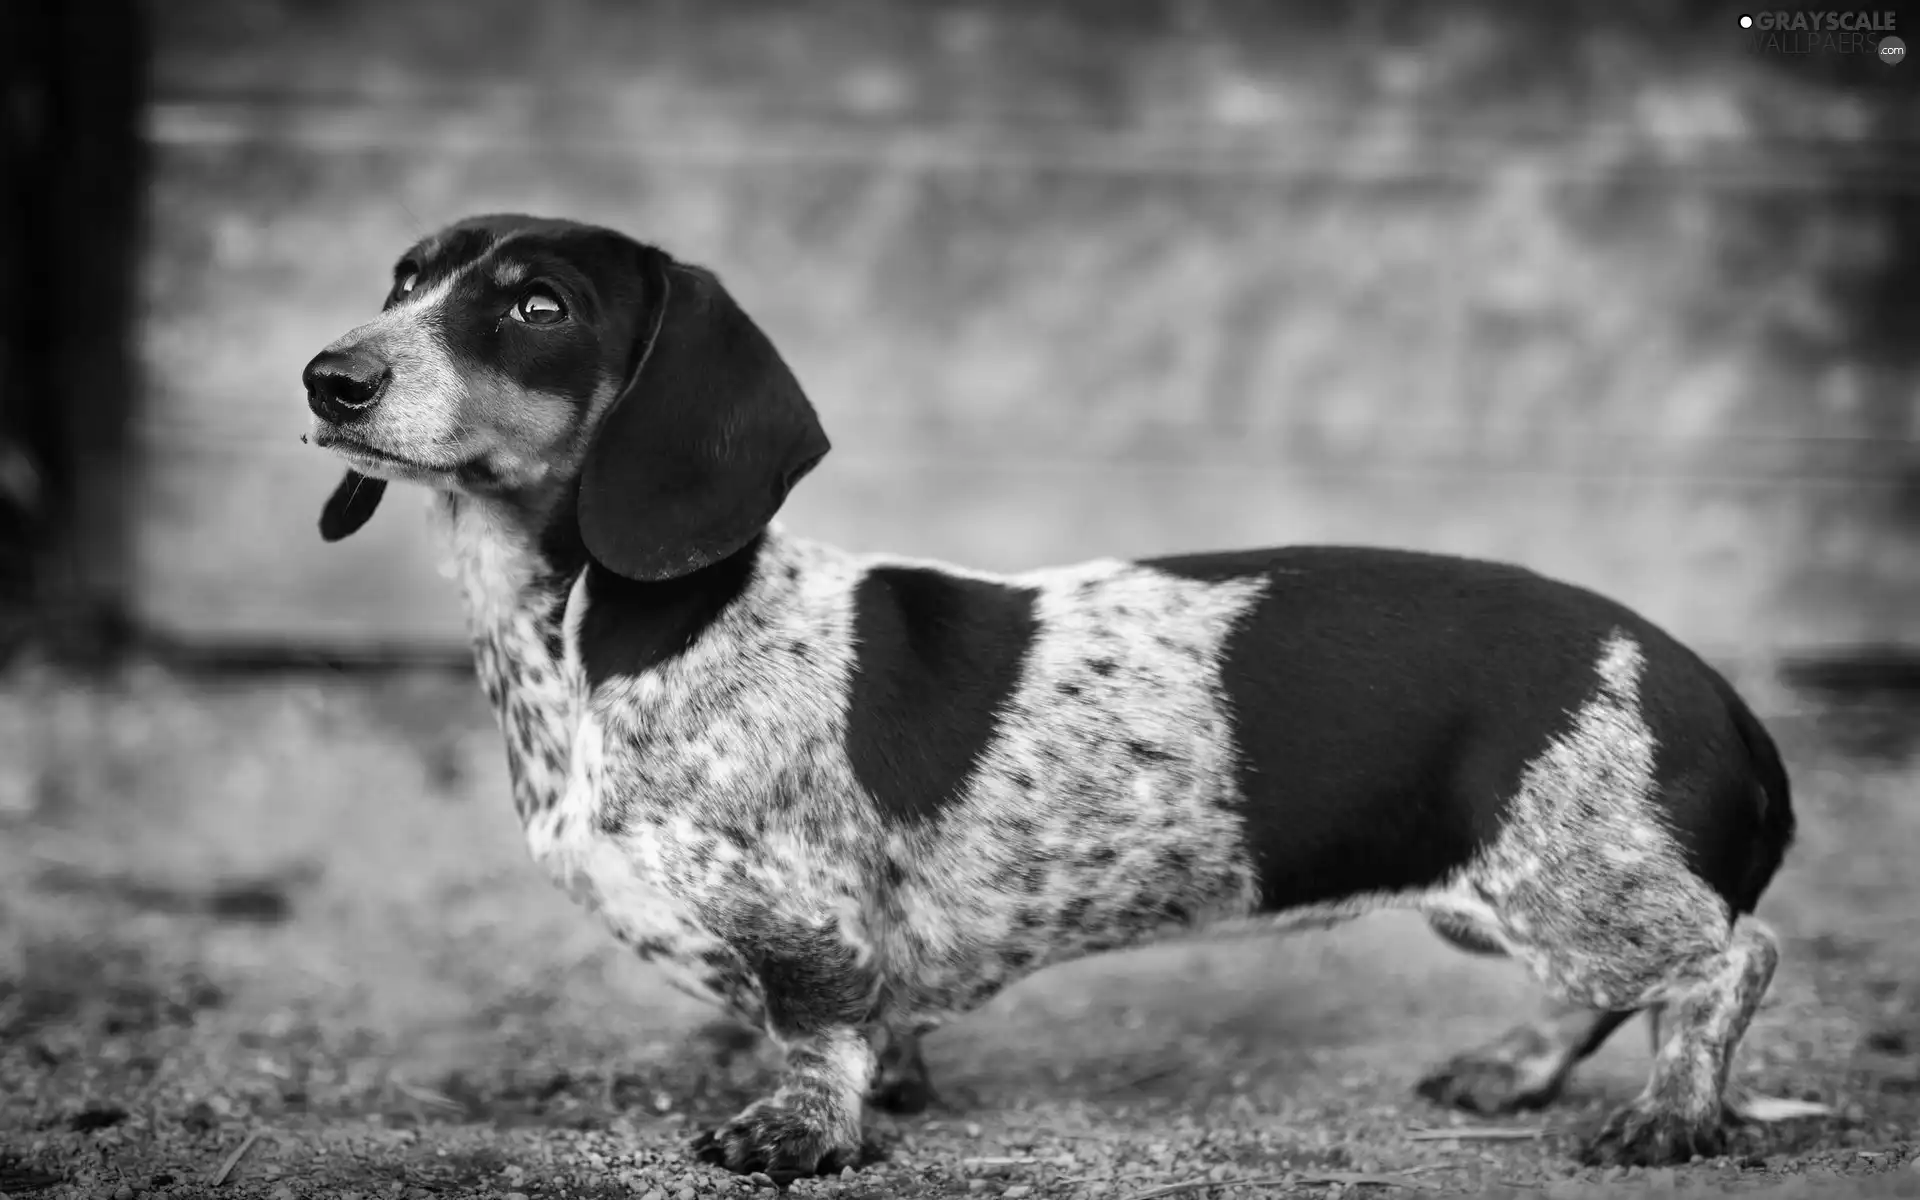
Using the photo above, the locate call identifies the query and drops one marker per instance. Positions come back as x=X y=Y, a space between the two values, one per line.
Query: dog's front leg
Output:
x=900 y=1083
x=817 y=1004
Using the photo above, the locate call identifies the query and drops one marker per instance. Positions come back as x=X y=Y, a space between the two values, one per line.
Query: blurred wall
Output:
x=71 y=200
x=1578 y=286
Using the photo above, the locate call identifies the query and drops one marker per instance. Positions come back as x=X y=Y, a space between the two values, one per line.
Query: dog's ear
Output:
x=351 y=504
x=697 y=455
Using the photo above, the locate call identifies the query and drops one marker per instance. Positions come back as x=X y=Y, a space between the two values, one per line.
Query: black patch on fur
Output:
x=631 y=626
x=936 y=658
x=1386 y=702
x=1718 y=777
x=588 y=268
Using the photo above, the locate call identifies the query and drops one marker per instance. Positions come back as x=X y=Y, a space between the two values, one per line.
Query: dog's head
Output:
x=571 y=368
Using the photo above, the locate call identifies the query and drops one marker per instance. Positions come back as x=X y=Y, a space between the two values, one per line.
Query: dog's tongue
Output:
x=351 y=505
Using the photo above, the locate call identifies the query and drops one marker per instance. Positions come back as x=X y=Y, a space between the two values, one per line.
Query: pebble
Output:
x=280 y=1192
x=123 y=1192
x=1016 y=1191
x=516 y=1196
x=685 y=1193
x=1914 y=1166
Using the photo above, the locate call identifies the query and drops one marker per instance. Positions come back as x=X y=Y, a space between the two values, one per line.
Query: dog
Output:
x=851 y=796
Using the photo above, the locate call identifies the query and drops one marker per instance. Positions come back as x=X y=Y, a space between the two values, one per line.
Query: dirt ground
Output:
x=289 y=918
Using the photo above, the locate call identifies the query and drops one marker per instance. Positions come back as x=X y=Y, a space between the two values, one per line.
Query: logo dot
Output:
x=1746 y=22
x=1892 y=50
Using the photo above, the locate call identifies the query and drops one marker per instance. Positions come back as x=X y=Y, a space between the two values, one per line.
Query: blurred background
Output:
x=1608 y=289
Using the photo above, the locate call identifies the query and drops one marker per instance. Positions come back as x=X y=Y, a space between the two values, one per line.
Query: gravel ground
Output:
x=278 y=933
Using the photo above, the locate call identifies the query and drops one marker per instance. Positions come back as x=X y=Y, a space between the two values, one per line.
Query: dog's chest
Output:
x=556 y=756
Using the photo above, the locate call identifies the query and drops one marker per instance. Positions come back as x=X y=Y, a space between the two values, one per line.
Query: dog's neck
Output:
x=516 y=599
x=518 y=578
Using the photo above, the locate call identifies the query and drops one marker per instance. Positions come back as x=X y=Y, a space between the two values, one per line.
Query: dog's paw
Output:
x=781 y=1142
x=1488 y=1084
x=1638 y=1135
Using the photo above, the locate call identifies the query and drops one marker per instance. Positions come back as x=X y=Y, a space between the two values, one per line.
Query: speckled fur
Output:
x=725 y=826
x=708 y=809
x=729 y=788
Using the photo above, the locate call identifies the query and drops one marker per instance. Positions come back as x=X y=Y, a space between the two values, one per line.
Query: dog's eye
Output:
x=539 y=307
x=404 y=281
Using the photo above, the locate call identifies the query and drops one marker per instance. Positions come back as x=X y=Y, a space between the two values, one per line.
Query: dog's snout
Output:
x=343 y=384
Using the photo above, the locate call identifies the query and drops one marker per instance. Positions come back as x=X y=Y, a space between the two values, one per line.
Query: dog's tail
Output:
x=1772 y=796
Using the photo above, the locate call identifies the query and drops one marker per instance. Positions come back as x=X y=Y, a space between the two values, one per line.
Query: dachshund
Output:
x=850 y=796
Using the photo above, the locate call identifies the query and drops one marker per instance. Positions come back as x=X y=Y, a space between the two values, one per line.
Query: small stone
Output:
x=280 y=1192
x=685 y=1193
x=516 y=1196
x=1662 y=1178
x=1016 y=1191
x=123 y=1192
x=514 y=1172
x=761 y=1179
x=973 y=1130
x=976 y=1185
x=1914 y=1165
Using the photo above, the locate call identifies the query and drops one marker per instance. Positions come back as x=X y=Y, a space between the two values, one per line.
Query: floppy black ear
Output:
x=351 y=504
x=697 y=456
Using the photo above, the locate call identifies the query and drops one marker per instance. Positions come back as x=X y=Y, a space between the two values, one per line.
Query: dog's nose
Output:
x=343 y=384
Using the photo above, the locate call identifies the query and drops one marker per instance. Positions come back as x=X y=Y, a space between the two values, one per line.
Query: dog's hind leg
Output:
x=1708 y=1005
x=1527 y=1066
x=1622 y=863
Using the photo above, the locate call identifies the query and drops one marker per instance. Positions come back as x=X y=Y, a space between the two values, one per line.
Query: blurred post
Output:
x=72 y=174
